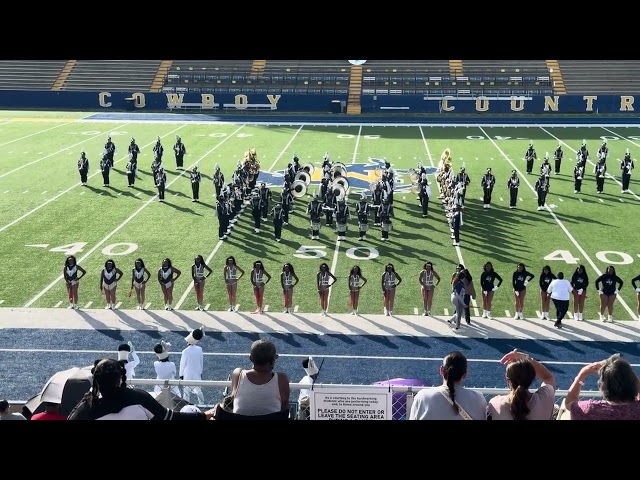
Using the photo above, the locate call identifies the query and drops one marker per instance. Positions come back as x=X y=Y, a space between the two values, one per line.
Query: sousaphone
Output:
x=338 y=170
x=341 y=181
x=339 y=192
x=415 y=188
x=309 y=168
x=298 y=188
x=302 y=176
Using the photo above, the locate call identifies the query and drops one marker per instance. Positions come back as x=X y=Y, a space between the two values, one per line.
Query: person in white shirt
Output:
x=165 y=369
x=124 y=350
x=560 y=291
x=304 y=399
x=451 y=401
x=192 y=365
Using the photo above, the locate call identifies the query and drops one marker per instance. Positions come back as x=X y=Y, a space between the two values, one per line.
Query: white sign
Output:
x=338 y=403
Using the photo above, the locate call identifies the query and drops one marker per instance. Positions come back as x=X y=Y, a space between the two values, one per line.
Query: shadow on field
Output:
x=161 y=321
x=113 y=333
x=137 y=325
x=181 y=209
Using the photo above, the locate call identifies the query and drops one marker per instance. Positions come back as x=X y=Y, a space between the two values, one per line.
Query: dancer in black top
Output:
x=608 y=285
x=487 y=279
x=545 y=300
x=579 y=282
x=520 y=280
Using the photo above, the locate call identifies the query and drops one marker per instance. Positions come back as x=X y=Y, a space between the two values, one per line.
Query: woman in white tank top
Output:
x=72 y=279
x=109 y=277
x=197 y=274
x=390 y=280
x=167 y=275
x=260 y=391
x=259 y=278
x=139 y=281
x=232 y=273
x=356 y=282
x=429 y=279
x=288 y=280
x=324 y=280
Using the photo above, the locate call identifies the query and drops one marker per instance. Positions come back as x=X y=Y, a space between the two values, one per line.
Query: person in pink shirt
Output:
x=51 y=412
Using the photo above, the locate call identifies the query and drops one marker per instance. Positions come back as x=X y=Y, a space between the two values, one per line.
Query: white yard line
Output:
x=220 y=242
x=88 y=304
x=58 y=304
x=295 y=309
x=355 y=151
x=146 y=307
x=131 y=217
x=574 y=150
x=55 y=153
x=35 y=133
x=3 y=228
x=584 y=254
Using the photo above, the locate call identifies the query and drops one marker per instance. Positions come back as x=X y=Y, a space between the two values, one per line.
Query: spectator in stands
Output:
x=260 y=390
x=5 y=413
x=521 y=403
x=51 y=412
x=109 y=399
x=451 y=401
x=620 y=388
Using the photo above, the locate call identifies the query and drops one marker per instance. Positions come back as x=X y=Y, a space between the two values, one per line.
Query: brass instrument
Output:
x=298 y=188
x=302 y=176
x=339 y=191
x=251 y=164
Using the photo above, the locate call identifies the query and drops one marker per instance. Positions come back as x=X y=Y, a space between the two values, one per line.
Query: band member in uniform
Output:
x=314 y=209
x=329 y=206
x=198 y=276
x=578 y=173
x=513 y=184
x=324 y=188
x=545 y=168
x=603 y=151
x=584 y=151
x=179 y=151
x=386 y=211
x=388 y=182
x=232 y=273
x=377 y=197
x=287 y=205
x=277 y=217
x=600 y=171
x=196 y=178
x=155 y=166
x=192 y=365
x=265 y=196
x=105 y=168
x=139 y=281
x=390 y=280
x=427 y=286
x=322 y=282
x=423 y=196
x=167 y=276
x=131 y=173
x=287 y=277
x=463 y=179
x=487 y=279
x=608 y=285
x=637 y=289
x=520 y=280
x=110 y=150
x=456 y=221
x=557 y=157
x=530 y=156
x=362 y=211
x=542 y=188
x=342 y=215
x=487 y=183
x=158 y=150
x=83 y=167
x=258 y=274
x=109 y=277
x=160 y=181
x=165 y=369
x=579 y=282
x=133 y=150
x=626 y=166
x=256 y=210
x=72 y=280
x=545 y=300
x=218 y=180
x=356 y=282
x=223 y=219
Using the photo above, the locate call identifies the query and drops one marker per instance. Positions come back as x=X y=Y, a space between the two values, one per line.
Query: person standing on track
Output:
x=637 y=289
x=560 y=292
x=197 y=274
x=109 y=277
x=428 y=286
x=139 y=281
x=167 y=276
x=608 y=285
x=322 y=283
x=545 y=279
x=72 y=280
x=258 y=274
x=287 y=278
x=390 y=280
x=520 y=280
x=487 y=279
x=579 y=282
x=231 y=278
x=356 y=282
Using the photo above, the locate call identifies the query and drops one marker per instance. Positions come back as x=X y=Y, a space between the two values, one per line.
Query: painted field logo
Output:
x=359 y=175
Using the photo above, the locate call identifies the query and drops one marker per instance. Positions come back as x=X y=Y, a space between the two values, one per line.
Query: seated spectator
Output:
x=619 y=385
x=110 y=399
x=451 y=401
x=260 y=391
x=520 y=403
x=51 y=412
x=5 y=413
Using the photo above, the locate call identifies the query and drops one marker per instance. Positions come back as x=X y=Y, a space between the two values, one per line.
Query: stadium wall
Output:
x=301 y=103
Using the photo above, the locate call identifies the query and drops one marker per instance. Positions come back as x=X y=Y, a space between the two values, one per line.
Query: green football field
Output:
x=46 y=215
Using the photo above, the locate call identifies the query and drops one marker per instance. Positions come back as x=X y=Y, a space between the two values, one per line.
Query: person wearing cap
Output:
x=158 y=150
x=265 y=196
x=165 y=369
x=626 y=166
x=603 y=151
x=110 y=150
x=260 y=390
x=277 y=217
x=304 y=398
x=83 y=167
x=192 y=365
x=256 y=209
x=487 y=183
x=513 y=184
x=218 y=180
x=463 y=180
x=542 y=189
x=530 y=156
x=134 y=151
x=160 y=179
x=105 y=169
x=196 y=178
x=578 y=172
x=180 y=151
x=124 y=350
x=557 y=157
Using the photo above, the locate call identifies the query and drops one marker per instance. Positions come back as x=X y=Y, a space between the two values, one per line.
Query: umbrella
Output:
x=399 y=402
x=66 y=388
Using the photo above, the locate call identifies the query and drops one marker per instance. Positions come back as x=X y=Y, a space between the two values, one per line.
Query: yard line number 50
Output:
x=315 y=252
x=610 y=257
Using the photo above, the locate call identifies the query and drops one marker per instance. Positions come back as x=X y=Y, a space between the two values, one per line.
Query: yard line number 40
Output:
x=113 y=250
x=610 y=257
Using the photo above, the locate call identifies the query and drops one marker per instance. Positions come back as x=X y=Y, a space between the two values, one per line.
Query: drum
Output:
x=386 y=226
